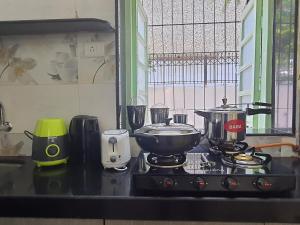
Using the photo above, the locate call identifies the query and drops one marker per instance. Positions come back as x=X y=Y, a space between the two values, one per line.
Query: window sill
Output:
x=287 y=132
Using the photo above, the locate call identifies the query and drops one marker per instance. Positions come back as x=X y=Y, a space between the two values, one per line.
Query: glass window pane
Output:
x=141 y=25
x=246 y=79
x=249 y=24
x=141 y=52
x=141 y=86
x=248 y=53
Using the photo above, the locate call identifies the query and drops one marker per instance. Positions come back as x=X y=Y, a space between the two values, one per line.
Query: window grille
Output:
x=193 y=53
x=284 y=64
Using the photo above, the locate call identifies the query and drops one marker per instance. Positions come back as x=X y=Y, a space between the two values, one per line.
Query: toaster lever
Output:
x=113 y=141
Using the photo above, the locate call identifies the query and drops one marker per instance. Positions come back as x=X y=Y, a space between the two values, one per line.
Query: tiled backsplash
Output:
x=53 y=76
x=56 y=59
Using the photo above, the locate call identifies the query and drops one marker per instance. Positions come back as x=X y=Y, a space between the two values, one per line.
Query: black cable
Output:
x=104 y=62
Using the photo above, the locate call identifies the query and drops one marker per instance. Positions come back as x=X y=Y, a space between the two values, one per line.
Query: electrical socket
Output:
x=93 y=49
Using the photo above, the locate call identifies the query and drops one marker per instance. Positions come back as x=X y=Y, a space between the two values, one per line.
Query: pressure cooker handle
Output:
x=262 y=104
x=251 y=112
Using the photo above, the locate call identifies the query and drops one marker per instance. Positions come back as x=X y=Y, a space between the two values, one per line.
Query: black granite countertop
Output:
x=85 y=192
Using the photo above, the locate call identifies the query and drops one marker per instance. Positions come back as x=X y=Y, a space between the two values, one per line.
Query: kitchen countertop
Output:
x=85 y=192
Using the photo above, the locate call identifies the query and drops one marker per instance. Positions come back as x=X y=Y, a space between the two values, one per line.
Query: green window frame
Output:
x=134 y=12
x=261 y=38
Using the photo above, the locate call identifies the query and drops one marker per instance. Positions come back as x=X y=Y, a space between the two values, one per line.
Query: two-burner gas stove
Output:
x=209 y=169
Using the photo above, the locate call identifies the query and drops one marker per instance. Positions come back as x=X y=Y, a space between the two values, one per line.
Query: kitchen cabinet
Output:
x=54 y=26
x=57 y=9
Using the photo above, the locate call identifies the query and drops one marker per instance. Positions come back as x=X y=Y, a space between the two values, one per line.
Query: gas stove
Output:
x=203 y=171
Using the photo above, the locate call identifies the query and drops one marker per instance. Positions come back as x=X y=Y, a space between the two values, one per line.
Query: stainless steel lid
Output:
x=168 y=130
x=225 y=107
x=159 y=106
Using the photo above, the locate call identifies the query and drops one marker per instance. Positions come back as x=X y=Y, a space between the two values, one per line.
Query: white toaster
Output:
x=115 y=149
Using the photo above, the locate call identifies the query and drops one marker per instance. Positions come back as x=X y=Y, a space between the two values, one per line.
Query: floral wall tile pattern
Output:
x=50 y=75
x=56 y=59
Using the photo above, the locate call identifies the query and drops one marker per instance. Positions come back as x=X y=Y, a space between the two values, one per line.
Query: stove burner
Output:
x=230 y=149
x=242 y=160
x=243 y=157
x=166 y=161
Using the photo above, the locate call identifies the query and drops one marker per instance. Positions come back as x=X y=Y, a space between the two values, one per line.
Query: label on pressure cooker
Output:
x=235 y=126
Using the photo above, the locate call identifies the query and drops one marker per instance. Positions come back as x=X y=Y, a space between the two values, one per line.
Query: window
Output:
x=189 y=54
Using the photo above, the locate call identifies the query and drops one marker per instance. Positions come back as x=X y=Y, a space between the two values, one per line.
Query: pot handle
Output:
x=167 y=121
x=29 y=134
x=251 y=112
x=202 y=113
x=268 y=157
x=146 y=136
x=206 y=116
x=262 y=104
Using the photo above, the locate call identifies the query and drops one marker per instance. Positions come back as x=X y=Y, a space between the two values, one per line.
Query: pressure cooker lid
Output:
x=225 y=108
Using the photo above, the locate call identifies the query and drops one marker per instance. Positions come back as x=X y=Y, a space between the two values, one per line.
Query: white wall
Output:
x=25 y=103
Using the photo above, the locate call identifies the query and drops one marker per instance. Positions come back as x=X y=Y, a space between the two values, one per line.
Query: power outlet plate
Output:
x=93 y=49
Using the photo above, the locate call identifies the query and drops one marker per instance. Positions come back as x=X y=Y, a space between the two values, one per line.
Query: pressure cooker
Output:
x=226 y=125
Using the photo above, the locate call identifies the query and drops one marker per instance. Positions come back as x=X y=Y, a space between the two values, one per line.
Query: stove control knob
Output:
x=199 y=183
x=168 y=183
x=230 y=183
x=263 y=184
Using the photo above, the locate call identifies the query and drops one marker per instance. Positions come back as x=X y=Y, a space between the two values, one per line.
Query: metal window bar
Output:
x=198 y=66
x=205 y=62
x=216 y=68
x=284 y=48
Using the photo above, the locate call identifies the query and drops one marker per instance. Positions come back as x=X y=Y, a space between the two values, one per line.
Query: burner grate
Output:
x=242 y=160
x=166 y=161
x=230 y=149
